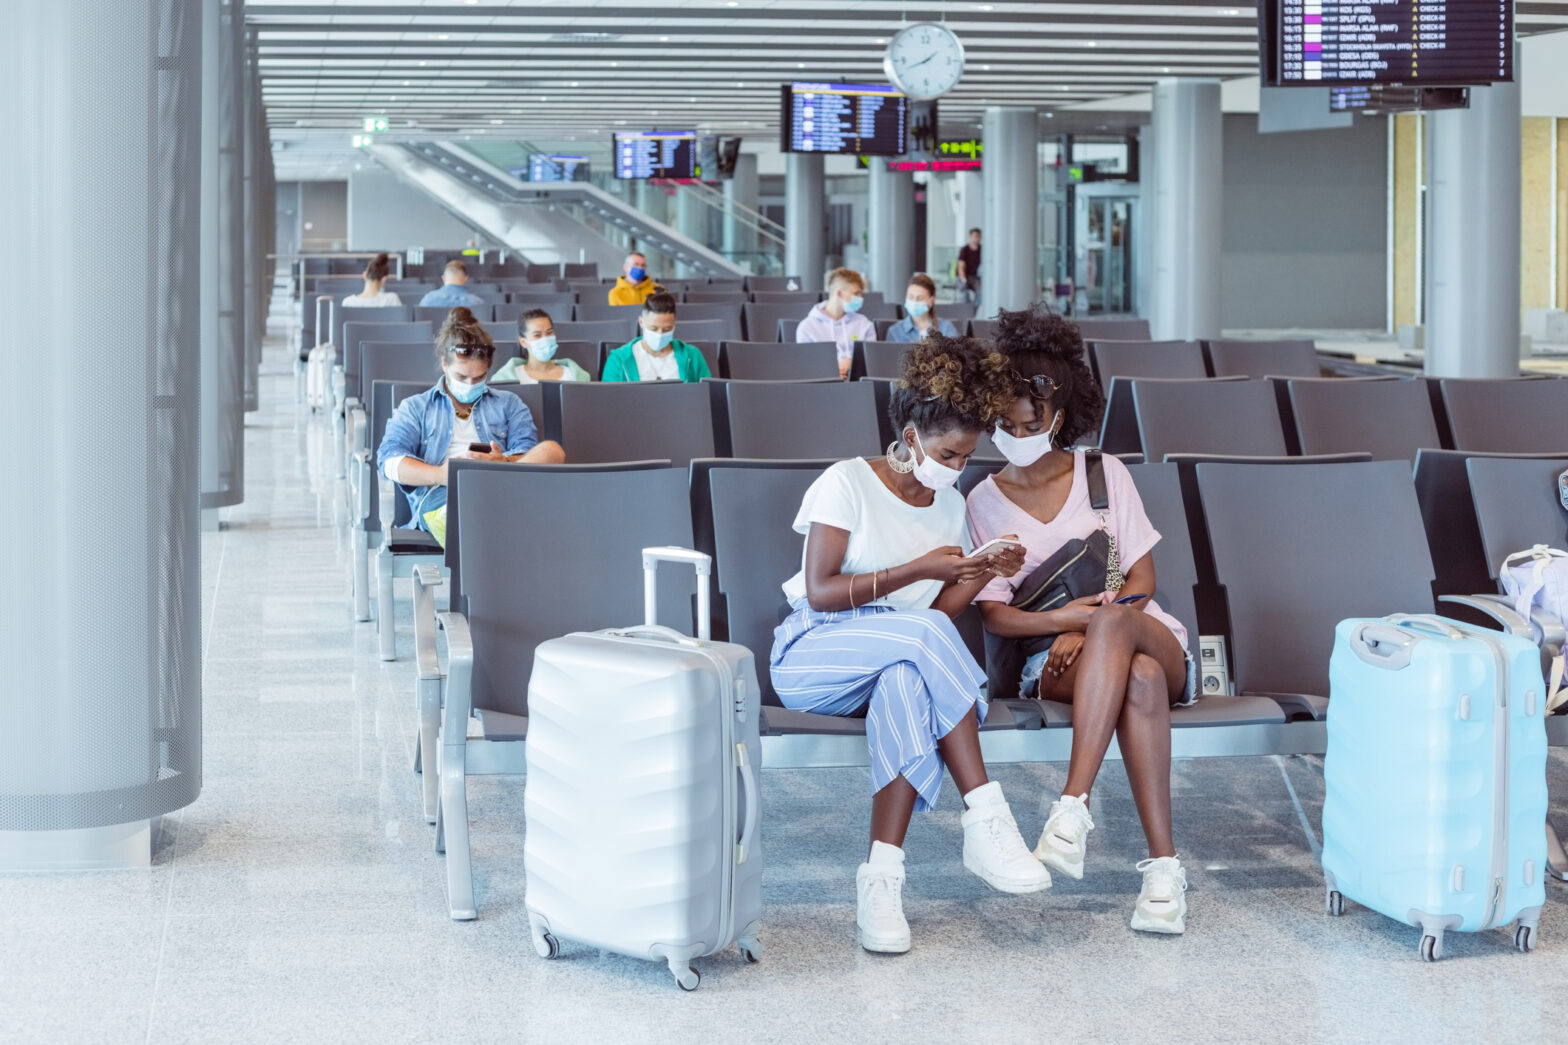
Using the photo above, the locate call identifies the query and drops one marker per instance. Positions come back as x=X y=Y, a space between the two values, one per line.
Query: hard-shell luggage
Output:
x=642 y=802
x=318 y=376
x=1435 y=777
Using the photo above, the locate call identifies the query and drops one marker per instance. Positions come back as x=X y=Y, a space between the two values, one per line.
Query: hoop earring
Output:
x=900 y=466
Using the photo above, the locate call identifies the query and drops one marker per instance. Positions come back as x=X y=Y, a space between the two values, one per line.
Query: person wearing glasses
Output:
x=885 y=571
x=460 y=416
x=1114 y=655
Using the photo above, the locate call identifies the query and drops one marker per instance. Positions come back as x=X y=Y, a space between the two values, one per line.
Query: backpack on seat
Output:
x=1537 y=581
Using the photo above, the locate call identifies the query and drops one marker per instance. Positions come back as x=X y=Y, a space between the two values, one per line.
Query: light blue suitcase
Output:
x=1435 y=777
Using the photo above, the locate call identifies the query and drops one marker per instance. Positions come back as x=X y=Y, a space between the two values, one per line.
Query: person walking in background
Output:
x=969 y=269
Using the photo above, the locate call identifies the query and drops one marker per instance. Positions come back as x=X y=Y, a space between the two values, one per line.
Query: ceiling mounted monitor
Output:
x=844 y=118
x=1411 y=43
x=656 y=154
x=1378 y=101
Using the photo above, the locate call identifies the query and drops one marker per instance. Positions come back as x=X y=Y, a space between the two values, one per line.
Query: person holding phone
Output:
x=1116 y=657
x=883 y=574
x=460 y=416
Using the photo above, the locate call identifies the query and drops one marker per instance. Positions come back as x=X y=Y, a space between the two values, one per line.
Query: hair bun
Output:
x=461 y=314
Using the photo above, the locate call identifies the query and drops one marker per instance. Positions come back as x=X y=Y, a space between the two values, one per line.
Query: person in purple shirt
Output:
x=838 y=319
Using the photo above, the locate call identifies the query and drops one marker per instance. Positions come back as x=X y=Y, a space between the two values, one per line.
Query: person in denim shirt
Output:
x=430 y=429
x=920 y=317
x=453 y=289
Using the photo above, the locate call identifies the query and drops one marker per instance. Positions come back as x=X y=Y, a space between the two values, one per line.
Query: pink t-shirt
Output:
x=992 y=514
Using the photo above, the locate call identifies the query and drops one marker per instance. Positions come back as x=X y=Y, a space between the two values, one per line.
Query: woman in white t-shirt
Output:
x=871 y=631
x=376 y=274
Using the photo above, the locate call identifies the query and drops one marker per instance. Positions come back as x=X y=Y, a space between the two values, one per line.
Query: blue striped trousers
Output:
x=910 y=671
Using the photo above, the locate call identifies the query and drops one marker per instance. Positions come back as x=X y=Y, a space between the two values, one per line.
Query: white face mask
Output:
x=1024 y=451
x=931 y=472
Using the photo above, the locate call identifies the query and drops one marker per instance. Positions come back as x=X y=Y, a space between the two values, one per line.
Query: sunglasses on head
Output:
x=1039 y=386
x=469 y=350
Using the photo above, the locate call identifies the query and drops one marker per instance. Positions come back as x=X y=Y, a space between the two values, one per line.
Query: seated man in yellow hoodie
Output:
x=634 y=285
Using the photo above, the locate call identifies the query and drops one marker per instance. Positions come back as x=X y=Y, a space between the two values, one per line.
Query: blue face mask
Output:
x=543 y=349
x=854 y=303
x=657 y=341
x=916 y=309
x=636 y=274
x=464 y=392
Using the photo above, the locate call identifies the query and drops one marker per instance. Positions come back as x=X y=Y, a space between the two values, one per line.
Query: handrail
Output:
x=764 y=224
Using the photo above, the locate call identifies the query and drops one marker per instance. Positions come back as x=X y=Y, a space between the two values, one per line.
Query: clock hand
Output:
x=924 y=60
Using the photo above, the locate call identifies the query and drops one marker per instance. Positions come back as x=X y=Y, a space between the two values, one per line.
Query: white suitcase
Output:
x=642 y=806
x=318 y=376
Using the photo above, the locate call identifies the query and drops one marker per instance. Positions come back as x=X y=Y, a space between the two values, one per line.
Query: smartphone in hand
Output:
x=996 y=544
x=480 y=448
x=1129 y=599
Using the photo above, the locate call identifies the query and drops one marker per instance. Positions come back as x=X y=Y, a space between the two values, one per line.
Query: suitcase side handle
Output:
x=748 y=781
x=651 y=557
x=1383 y=645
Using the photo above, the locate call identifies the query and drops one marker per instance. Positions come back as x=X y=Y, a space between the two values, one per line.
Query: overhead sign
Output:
x=375 y=123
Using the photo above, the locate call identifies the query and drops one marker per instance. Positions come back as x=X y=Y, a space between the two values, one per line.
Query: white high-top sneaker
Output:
x=1064 y=839
x=1162 y=904
x=879 y=906
x=993 y=848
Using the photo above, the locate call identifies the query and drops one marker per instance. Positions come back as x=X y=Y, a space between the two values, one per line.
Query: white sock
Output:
x=882 y=853
x=986 y=794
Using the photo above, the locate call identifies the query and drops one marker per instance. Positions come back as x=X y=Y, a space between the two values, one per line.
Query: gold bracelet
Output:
x=852 y=591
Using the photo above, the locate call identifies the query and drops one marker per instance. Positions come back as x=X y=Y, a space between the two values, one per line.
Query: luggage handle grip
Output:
x=656 y=631
x=748 y=781
x=651 y=557
x=1383 y=645
x=1428 y=623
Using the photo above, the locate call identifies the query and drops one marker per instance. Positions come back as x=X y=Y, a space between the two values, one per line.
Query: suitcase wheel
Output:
x=547 y=946
x=687 y=979
x=1524 y=938
x=1431 y=948
x=751 y=950
x=1335 y=903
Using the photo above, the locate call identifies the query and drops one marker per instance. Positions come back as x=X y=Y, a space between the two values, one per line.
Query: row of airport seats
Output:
x=1290 y=547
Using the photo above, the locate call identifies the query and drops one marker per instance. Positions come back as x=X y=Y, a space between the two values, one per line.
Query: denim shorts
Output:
x=1034 y=667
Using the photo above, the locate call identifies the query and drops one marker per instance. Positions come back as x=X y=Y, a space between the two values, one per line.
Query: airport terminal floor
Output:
x=299 y=899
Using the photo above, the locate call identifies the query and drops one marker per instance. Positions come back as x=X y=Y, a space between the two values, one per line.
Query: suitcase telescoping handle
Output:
x=651 y=557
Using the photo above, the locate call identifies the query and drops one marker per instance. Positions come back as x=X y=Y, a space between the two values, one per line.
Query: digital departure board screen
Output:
x=851 y=118
x=656 y=154
x=1377 y=100
x=1318 y=43
x=542 y=167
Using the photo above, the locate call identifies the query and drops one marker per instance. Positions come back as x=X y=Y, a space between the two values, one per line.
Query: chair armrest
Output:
x=339 y=387
x=427 y=579
x=459 y=703
x=1495 y=607
x=358 y=426
x=364 y=469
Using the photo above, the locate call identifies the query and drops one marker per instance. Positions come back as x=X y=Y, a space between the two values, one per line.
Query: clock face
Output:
x=924 y=60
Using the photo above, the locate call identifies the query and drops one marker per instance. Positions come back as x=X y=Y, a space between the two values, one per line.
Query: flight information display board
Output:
x=656 y=154
x=1317 y=43
x=850 y=118
x=542 y=167
x=1378 y=100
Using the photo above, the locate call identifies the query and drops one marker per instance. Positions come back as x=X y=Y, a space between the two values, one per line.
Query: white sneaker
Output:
x=879 y=907
x=993 y=848
x=1062 y=843
x=1162 y=904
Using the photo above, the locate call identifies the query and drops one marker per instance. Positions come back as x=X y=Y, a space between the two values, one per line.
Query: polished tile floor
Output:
x=299 y=899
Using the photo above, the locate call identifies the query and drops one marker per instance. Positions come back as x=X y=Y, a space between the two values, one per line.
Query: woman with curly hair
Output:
x=871 y=629
x=1115 y=656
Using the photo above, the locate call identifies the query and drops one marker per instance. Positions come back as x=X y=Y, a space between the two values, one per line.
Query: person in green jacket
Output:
x=657 y=355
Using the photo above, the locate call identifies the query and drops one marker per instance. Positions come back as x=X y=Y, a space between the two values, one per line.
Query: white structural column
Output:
x=1472 y=236
x=1184 y=298
x=691 y=220
x=740 y=241
x=890 y=223
x=223 y=361
x=1010 y=244
x=805 y=211
x=100 y=610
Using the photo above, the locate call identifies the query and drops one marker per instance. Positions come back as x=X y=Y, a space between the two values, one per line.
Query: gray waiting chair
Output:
x=714 y=297
x=1110 y=359
x=377 y=511
x=722 y=320
x=580 y=269
x=1112 y=328
x=771 y=283
x=1216 y=417
x=800 y=299
x=765 y=322
x=1298 y=548
x=593 y=574
x=985 y=329
x=599 y=330
x=770 y=361
x=880 y=359
x=619 y=421
x=1516 y=416
x=780 y=420
x=595 y=311
x=1390 y=418
x=437 y=314
x=1263 y=358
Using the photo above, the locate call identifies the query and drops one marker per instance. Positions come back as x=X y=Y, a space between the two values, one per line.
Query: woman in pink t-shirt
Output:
x=1121 y=666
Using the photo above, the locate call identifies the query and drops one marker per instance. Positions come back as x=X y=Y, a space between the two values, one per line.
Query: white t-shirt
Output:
x=884 y=530
x=385 y=299
x=655 y=368
x=464 y=431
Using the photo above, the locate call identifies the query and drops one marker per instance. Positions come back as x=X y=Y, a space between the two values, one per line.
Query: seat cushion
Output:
x=413 y=542
x=1208 y=711
x=777 y=721
x=498 y=725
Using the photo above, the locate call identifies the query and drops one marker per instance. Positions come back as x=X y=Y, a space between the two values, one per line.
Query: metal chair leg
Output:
x=454 y=817
x=361 y=574
x=386 y=608
x=429 y=732
x=1556 y=858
